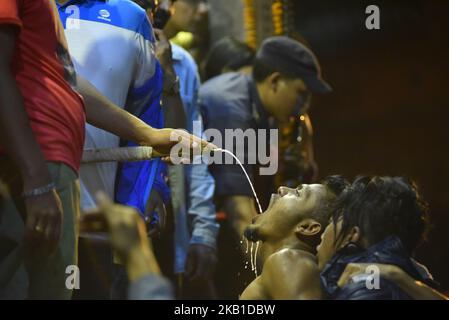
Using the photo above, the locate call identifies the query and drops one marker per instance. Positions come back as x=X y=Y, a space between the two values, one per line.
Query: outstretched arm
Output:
x=105 y=115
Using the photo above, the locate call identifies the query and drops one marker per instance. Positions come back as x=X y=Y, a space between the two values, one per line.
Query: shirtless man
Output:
x=290 y=230
x=296 y=217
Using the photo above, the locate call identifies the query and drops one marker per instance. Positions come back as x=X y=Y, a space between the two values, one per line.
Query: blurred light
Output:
x=183 y=39
x=250 y=23
x=277 y=13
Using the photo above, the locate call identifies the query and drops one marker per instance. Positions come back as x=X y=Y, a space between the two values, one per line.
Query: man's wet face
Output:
x=287 y=208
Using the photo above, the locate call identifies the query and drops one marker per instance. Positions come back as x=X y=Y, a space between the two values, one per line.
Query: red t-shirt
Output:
x=45 y=75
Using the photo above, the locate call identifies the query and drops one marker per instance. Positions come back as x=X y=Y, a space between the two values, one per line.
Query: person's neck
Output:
x=170 y=31
x=291 y=242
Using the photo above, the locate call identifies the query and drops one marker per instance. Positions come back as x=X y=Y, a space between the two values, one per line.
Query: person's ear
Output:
x=273 y=81
x=354 y=235
x=308 y=228
x=170 y=6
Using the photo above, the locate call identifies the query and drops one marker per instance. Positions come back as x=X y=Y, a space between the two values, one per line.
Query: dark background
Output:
x=389 y=110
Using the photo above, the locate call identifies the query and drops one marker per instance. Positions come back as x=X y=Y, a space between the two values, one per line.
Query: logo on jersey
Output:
x=104 y=15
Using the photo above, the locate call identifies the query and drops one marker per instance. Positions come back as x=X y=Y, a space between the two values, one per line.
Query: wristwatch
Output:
x=172 y=88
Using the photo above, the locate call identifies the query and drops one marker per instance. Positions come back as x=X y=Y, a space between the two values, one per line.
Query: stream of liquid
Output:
x=246 y=174
x=253 y=257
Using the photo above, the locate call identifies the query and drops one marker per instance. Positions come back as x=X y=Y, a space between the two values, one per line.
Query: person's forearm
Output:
x=204 y=232
x=102 y=113
x=17 y=136
x=201 y=208
x=416 y=289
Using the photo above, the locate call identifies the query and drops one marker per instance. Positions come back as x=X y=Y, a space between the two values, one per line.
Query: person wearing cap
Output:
x=285 y=74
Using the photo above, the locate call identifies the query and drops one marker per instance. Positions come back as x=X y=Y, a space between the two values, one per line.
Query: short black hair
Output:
x=335 y=184
x=383 y=207
x=230 y=53
x=146 y=4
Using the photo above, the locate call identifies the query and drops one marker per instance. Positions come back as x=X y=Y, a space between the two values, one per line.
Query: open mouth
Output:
x=252 y=234
x=273 y=199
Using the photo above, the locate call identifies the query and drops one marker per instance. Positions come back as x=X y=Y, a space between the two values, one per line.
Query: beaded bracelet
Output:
x=39 y=191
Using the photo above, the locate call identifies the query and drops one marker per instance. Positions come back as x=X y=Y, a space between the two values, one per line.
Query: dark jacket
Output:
x=388 y=251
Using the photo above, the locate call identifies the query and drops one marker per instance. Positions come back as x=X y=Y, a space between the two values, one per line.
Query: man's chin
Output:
x=252 y=234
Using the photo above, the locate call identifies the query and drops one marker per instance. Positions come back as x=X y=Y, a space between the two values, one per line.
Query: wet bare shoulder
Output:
x=292 y=274
x=285 y=259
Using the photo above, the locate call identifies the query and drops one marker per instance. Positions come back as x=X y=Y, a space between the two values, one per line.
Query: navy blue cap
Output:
x=291 y=57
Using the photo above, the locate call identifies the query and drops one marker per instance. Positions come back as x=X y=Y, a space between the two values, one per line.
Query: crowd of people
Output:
x=81 y=75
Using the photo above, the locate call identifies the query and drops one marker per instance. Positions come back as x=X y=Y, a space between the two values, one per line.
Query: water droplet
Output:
x=255 y=258
x=251 y=254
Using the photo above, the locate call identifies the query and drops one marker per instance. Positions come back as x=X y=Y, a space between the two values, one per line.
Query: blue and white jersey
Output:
x=112 y=46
